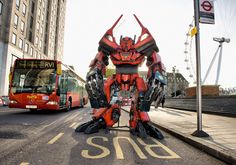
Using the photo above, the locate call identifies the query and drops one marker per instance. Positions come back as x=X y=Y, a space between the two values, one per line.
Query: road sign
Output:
x=206 y=13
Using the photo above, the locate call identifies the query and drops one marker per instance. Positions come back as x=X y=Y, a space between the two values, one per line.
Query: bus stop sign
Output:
x=206 y=13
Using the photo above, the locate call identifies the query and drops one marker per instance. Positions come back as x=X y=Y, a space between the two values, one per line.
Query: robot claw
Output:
x=142 y=130
x=90 y=127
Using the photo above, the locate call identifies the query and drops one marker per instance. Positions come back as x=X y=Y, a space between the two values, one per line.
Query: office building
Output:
x=29 y=29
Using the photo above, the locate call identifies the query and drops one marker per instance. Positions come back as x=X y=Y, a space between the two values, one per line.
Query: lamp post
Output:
x=174 y=77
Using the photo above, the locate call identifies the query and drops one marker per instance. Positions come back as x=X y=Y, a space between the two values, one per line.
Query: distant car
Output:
x=126 y=101
x=5 y=100
x=1 y=102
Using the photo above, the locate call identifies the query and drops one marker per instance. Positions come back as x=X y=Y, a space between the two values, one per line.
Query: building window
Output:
x=31 y=22
x=16 y=20
x=22 y=26
x=24 y=9
x=31 y=51
x=35 y=54
x=20 y=43
x=1 y=7
x=13 y=39
x=18 y=4
x=26 y=48
x=32 y=7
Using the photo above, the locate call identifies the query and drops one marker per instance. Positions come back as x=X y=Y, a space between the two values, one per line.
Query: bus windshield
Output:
x=33 y=80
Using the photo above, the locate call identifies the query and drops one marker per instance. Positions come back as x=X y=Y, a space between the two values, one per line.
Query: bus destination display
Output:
x=35 y=64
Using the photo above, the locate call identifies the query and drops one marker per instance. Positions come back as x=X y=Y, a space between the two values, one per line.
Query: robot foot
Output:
x=90 y=127
x=153 y=132
x=144 y=129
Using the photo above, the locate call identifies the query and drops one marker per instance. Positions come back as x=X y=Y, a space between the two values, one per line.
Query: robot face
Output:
x=126 y=43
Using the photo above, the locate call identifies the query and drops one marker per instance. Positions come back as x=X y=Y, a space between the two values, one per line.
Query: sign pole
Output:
x=199 y=132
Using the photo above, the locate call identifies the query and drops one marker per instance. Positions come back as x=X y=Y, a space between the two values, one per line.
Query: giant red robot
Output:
x=127 y=57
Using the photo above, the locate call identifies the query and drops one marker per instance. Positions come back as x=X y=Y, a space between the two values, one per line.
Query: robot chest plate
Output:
x=126 y=57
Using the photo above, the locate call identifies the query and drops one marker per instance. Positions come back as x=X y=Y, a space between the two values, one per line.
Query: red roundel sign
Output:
x=206 y=5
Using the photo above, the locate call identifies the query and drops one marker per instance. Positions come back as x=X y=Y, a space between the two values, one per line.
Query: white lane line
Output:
x=73 y=124
x=55 y=138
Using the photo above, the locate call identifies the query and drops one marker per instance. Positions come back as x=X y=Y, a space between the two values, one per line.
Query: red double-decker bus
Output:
x=45 y=84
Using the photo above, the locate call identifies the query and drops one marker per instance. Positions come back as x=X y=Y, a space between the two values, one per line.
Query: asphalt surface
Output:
x=49 y=138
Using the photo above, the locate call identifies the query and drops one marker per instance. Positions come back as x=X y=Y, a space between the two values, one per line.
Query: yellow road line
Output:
x=55 y=138
x=72 y=125
x=24 y=163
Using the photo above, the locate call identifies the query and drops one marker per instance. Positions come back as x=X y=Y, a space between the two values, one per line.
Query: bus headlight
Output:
x=13 y=102
x=52 y=103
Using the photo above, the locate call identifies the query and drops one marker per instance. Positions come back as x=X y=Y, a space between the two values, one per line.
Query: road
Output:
x=48 y=138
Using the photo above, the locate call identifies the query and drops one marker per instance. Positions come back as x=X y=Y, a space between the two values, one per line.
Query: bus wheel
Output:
x=33 y=110
x=82 y=104
x=69 y=106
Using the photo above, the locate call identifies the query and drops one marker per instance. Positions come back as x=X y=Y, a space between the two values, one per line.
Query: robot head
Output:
x=126 y=43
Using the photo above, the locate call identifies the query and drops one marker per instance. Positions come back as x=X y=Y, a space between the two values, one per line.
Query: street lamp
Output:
x=220 y=47
x=173 y=69
x=221 y=40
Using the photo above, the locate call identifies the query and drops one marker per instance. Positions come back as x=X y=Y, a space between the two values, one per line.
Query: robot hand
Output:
x=158 y=85
x=94 y=87
x=155 y=91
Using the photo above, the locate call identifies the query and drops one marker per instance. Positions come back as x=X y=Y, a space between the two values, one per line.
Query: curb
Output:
x=213 y=150
x=228 y=156
x=205 y=112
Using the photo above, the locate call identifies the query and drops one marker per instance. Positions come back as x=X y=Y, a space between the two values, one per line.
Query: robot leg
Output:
x=102 y=118
x=139 y=118
x=140 y=124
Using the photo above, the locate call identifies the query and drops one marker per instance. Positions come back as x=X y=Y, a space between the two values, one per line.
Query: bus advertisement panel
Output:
x=45 y=84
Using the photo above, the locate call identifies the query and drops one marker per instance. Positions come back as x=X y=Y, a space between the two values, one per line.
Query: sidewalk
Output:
x=222 y=130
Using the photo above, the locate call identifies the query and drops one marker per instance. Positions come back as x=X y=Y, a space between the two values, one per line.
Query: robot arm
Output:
x=146 y=46
x=156 y=80
x=94 y=81
x=156 y=69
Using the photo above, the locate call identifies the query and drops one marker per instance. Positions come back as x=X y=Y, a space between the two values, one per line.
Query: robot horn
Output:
x=116 y=22
x=121 y=37
x=139 y=21
x=134 y=39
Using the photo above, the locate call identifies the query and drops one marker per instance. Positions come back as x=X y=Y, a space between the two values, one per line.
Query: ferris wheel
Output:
x=188 y=53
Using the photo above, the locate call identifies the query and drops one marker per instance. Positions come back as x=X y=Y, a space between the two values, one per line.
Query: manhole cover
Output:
x=11 y=135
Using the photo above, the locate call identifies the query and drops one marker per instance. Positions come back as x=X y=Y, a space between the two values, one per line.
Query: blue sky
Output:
x=168 y=22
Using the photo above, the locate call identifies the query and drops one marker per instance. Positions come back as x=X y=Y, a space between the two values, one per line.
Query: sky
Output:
x=167 y=20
